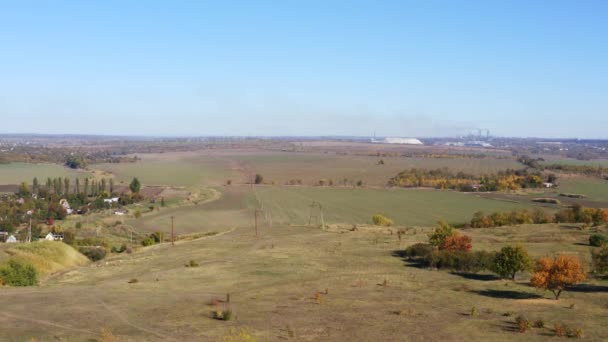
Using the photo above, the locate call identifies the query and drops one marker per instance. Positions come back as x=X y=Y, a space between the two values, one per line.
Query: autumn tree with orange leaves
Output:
x=555 y=274
x=457 y=242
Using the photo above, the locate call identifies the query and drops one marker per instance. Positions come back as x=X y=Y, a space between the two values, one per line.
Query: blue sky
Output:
x=399 y=68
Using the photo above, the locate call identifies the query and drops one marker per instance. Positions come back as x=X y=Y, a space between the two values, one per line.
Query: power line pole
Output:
x=172 y=232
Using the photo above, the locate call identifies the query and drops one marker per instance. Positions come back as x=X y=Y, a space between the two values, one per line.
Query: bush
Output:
x=192 y=263
x=460 y=261
x=600 y=260
x=598 y=240
x=78 y=225
x=523 y=324
x=133 y=281
x=258 y=179
x=457 y=242
x=120 y=249
x=419 y=250
x=381 y=220
x=223 y=315
x=539 y=323
x=16 y=273
x=147 y=242
x=574 y=332
x=559 y=330
x=93 y=253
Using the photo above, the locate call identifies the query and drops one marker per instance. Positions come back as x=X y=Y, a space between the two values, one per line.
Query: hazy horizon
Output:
x=396 y=68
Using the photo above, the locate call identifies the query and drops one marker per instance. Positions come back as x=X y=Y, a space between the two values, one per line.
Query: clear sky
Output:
x=286 y=67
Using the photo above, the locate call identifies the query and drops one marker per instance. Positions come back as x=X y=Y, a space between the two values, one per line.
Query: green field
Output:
x=15 y=173
x=291 y=205
x=175 y=170
x=594 y=188
x=417 y=207
x=214 y=168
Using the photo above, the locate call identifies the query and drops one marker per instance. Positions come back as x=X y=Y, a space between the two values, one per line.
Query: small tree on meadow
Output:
x=511 y=260
x=443 y=230
x=135 y=186
x=258 y=179
x=555 y=274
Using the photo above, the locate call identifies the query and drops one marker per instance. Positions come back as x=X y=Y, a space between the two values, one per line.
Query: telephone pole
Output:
x=172 y=232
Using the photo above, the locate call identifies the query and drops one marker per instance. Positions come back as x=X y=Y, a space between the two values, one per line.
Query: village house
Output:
x=66 y=205
x=54 y=236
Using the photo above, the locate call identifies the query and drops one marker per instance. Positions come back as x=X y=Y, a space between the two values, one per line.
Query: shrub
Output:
x=93 y=253
x=192 y=263
x=223 y=315
x=147 y=242
x=137 y=213
x=78 y=225
x=419 y=250
x=15 y=273
x=523 y=324
x=598 y=240
x=457 y=242
x=258 y=179
x=459 y=260
x=381 y=220
x=600 y=259
x=511 y=260
x=559 y=329
x=574 y=332
x=133 y=281
x=539 y=323
x=442 y=231
x=120 y=249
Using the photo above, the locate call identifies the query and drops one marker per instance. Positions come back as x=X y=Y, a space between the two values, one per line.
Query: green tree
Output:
x=111 y=185
x=77 y=186
x=35 y=185
x=135 y=186
x=24 y=190
x=443 y=230
x=66 y=185
x=49 y=184
x=103 y=184
x=511 y=260
x=258 y=179
x=86 y=188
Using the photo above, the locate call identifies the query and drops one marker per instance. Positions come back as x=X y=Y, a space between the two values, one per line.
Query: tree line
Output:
x=574 y=214
x=443 y=178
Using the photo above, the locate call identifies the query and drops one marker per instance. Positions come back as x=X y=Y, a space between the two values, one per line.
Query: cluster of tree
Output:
x=445 y=179
x=447 y=249
x=574 y=214
x=20 y=208
x=588 y=170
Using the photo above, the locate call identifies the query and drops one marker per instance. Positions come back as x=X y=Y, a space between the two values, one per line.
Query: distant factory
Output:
x=401 y=141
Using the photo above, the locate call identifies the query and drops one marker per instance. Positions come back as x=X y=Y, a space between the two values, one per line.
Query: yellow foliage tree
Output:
x=554 y=274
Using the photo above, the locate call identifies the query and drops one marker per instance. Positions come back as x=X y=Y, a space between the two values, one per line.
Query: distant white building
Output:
x=548 y=185
x=402 y=141
x=66 y=205
x=11 y=239
x=54 y=237
x=111 y=200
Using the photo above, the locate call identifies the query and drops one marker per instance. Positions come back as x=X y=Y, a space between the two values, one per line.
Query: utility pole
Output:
x=172 y=232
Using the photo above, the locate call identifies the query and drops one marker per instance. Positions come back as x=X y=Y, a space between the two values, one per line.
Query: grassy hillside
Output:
x=47 y=256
